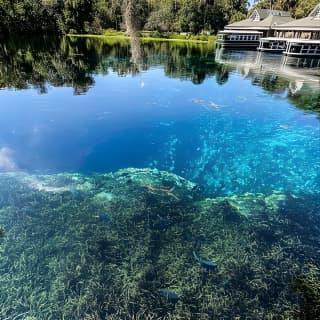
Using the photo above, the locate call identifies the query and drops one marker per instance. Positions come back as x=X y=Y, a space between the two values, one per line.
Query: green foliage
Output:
x=238 y=16
x=298 y=8
x=304 y=7
x=189 y=16
x=93 y=16
x=112 y=33
x=176 y=36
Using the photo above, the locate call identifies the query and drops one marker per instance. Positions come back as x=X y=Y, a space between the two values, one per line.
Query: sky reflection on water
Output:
x=227 y=125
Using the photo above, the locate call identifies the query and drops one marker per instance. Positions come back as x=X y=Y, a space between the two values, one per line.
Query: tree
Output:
x=189 y=16
x=92 y=16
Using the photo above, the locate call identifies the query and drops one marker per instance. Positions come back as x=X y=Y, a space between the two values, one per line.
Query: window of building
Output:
x=255 y=16
x=317 y=13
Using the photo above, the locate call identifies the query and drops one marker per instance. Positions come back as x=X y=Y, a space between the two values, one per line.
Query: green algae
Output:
x=58 y=261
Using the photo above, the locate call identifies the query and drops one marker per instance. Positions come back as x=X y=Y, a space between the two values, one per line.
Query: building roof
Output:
x=232 y=31
x=264 y=13
x=307 y=24
x=267 y=23
x=262 y=19
x=310 y=23
x=272 y=21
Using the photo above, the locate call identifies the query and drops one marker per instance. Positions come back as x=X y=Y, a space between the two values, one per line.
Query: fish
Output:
x=214 y=105
x=104 y=217
x=169 y=295
x=205 y=263
x=161 y=223
x=284 y=126
x=197 y=101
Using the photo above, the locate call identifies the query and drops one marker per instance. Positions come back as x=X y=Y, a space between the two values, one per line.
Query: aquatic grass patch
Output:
x=59 y=259
x=307 y=284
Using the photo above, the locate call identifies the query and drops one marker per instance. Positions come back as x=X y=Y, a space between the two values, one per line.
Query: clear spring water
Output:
x=134 y=245
x=231 y=122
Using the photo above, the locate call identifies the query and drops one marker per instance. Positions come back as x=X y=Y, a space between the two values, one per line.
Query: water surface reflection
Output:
x=226 y=120
x=298 y=79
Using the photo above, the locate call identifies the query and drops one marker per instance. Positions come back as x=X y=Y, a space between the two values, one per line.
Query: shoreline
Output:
x=143 y=38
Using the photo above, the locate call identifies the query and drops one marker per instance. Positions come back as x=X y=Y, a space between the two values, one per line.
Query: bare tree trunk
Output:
x=132 y=31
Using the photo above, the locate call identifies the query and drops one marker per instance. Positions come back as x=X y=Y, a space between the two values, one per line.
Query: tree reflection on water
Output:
x=72 y=62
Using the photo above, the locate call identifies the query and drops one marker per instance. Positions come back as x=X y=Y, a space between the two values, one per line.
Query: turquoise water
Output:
x=242 y=134
x=180 y=184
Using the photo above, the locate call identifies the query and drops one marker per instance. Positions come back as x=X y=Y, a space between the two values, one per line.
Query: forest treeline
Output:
x=93 y=16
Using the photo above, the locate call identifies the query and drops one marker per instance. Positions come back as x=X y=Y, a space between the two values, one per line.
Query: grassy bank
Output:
x=151 y=36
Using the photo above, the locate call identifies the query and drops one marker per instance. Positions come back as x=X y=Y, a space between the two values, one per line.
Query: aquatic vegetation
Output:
x=308 y=286
x=59 y=261
x=241 y=240
x=2 y=232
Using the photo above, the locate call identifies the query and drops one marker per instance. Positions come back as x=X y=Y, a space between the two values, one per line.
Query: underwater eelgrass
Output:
x=104 y=246
x=307 y=284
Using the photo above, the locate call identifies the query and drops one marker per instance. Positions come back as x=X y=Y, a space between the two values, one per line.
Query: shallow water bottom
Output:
x=107 y=246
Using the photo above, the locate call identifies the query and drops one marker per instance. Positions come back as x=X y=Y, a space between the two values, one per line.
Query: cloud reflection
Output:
x=6 y=161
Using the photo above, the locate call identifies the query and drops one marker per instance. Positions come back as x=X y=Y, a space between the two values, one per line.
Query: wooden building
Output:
x=297 y=38
x=242 y=39
x=302 y=48
x=306 y=28
x=262 y=20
